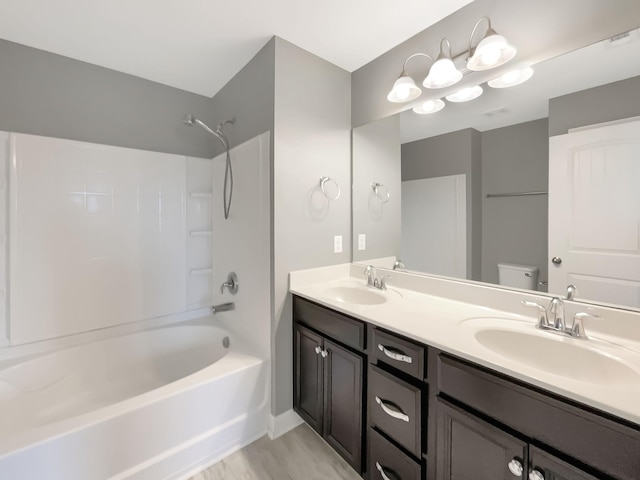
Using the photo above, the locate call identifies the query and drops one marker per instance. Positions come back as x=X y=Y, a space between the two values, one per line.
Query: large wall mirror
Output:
x=465 y=192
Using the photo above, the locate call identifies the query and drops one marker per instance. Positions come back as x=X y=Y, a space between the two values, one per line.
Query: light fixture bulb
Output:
x=465 y=94
x=511 y=78
x=430 y=106
x=404 y=90
x=443 y=73
x=492 y=51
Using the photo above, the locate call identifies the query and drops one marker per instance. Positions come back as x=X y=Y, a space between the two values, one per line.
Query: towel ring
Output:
x=323 y=181
x=381 y=191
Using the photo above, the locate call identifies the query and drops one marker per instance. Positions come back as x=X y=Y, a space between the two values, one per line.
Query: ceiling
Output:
x=199 y=45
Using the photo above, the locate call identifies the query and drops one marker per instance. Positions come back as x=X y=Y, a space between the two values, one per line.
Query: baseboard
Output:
x=281 y=424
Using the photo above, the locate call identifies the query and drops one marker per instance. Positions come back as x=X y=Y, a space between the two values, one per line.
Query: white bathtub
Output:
x=157 y=404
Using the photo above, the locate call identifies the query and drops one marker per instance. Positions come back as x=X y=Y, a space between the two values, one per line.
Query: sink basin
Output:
x=355 y=295
x=589 y=361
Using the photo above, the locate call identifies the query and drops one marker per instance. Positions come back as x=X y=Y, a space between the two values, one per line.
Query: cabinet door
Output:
x=469 y=448
x=308 y=401
x=343 y=397
x=545 y=466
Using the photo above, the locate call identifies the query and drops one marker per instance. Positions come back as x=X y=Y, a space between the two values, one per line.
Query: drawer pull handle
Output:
x=385 y=473
x=392 y=412
x=395 y=356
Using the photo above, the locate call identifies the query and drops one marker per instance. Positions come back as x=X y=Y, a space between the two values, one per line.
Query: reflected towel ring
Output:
x=381 y=191
x=323 y=182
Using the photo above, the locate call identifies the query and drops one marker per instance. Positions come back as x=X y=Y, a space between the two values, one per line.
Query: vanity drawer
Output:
x=395 y=408
x=388 y=461
x=346 y=330
x=404 y=355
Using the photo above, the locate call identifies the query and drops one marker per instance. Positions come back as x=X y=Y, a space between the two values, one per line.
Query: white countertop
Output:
x=450 y=324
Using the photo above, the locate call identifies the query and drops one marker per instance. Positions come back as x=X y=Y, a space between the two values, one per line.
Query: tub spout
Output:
x=223 y=307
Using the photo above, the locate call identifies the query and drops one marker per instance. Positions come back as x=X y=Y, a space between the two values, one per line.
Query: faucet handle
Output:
x=543 y=320
x=577 y=329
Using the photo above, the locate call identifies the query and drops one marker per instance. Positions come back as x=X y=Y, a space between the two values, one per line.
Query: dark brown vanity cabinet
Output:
x=329 y=381
x=396 y=401
x=489 y=423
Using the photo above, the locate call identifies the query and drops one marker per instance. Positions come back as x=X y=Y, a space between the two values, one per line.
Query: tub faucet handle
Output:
x=231 y=284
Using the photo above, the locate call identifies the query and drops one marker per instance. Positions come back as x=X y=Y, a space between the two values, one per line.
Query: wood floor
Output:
x=298 y=455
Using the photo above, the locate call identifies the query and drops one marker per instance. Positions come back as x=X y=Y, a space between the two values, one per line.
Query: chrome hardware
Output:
x=323 y=182
x=318 y=350
x=397 y=414
x=382 y=471
x=373 y=280
x=543 y=283
x=231 y=284
x=398 y=264
x=572 y=292
x=536 y=474
x=395 y=356
x=556 y=260
x=556 y=311
x=515 y=467
x=577 y=329
x=223 y=307
x=381 y=192
x=324 y=354
x=370 y=272
x=543 y=320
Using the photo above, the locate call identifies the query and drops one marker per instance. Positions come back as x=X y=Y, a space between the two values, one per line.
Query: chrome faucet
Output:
x=373 y=280
x=370 y=272
x=398 y=264
x=552 y=318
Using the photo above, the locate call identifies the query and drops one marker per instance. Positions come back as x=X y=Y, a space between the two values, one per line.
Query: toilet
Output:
x=518 y=276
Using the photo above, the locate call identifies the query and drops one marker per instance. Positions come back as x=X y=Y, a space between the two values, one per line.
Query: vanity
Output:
x=433 y=378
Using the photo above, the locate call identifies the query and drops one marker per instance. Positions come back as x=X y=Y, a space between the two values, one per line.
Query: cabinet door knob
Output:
x=536 y=474
x=324 y=354
x=515 y=466
x=318 y=350
x=385 y=474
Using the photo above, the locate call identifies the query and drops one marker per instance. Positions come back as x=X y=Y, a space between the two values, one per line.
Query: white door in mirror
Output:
x=594 y=213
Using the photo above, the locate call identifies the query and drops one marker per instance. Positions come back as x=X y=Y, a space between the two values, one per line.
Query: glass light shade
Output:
x=443 y=73
x=465 y=95
x=492 y=51
x=404 y=90
x=430 y=106
x=512 y=78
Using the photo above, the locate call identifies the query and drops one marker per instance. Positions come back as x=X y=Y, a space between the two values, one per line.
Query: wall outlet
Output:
x=362 y=241
x=337 y=244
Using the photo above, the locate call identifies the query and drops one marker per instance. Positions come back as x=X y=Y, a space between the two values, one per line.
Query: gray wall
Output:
x=540 y=29
x=595 y=105
x=376 y=158
x=55 y=96
x=514 y=229
x=452 y=154
x=312 y=139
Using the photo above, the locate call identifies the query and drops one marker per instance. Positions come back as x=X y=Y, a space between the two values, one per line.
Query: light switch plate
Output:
x=337 y=244
x=362 y=241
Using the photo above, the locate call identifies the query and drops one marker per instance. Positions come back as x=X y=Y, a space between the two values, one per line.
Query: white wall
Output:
x=312 y=138
x=242 y=242
x=376 y=158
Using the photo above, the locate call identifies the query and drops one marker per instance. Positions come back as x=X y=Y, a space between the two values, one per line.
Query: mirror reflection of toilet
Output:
x=518 y=276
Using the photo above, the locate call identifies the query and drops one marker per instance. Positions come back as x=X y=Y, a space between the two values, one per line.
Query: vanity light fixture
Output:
x=512 y=78
x=492 y=51
x=443 y=73
x=405 y=88
x=465 y=95
x=430 y=106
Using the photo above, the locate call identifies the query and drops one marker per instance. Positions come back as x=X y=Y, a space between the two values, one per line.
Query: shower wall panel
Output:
x=98 y=236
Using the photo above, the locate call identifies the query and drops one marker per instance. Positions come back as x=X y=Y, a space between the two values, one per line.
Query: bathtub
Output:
x=157 y=404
